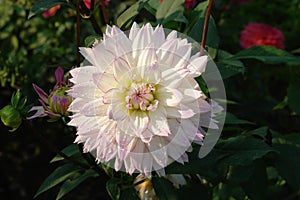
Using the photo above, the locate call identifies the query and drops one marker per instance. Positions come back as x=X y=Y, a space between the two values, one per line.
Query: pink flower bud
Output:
x=51 y=12
x=54 y=105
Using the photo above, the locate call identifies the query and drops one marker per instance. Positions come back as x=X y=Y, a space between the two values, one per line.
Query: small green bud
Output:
x=11 y=117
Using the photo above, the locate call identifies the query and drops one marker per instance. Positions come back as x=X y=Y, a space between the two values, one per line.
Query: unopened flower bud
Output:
x=11 y=117
x=59 y=101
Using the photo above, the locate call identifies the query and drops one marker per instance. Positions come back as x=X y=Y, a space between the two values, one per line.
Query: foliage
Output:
x=257 y=156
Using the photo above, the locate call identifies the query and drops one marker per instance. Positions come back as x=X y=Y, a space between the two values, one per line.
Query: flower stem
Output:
x=95 y=25
x=91 y=160
x=104 y=12
x=205 y=28
x=77 y=35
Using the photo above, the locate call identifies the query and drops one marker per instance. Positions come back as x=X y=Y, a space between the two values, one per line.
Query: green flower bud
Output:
x=11 y=117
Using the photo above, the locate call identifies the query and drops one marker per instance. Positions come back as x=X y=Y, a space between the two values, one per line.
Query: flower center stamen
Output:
x=141 y=97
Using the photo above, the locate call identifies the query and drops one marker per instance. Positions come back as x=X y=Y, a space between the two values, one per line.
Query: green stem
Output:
x=95 y=25
x=77 y=35
x=91 y=160
x=205 y=28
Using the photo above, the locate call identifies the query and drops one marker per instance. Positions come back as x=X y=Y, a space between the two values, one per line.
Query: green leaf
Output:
x=242 y=150
x=129 y=193
x=170 y=10
x=70 y=150
x=90 y=40
x=232 y=119
x=164 y=188
x=152 y=6
x=228 y=67
x=255 y=186
x=69 y=185
x=294 y=95
x=228 y=192
x=113 y=188
x=195 y=14
x=195 y=189
x=236 y=151
x=59 y=175
x=266 y=54
x=294 y=138
x=15 y=99
x=288 y=163
x=128 y=15
x=43 y=5
x=282 y=104
x=195 y=165
x=196 y=31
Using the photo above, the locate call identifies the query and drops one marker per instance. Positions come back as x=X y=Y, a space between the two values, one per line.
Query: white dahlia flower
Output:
x=136 y=104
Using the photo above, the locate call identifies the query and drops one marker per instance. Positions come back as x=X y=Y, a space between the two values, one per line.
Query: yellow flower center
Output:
x=141 y=96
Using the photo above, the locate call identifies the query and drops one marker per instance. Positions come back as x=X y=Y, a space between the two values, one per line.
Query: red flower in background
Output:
x=88 y=3
x=261 y=34
x=189 y=4
x=51 y=12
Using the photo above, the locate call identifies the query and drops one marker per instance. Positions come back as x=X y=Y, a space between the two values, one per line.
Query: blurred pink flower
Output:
x=189 y=4
x=51 y=12
x=136 y=104
x=56 y=104
x=88 y=3
x=261 y=34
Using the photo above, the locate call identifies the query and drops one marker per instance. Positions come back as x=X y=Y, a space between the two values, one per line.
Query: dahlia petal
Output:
x=172 y=35
x=146 y=136
x=121 y=70
x=111 y=96
x=143 y=39
x=94 y=108
x=166 y=52
x=139 y=122
x=182 y=56
x=119 y=111
x=118 y=164
x=190 y=95
x=105 y=81
x=83 y=74
x=169 y=96
x=134 y=31
x=89 y=55
x=147 y=57
x=159 y=35
x=171 y=78
x=197 y=65
x=76 y=104
x=119 y=45
x=147 y=63
x=158 y=124
x=158 y=150
x=103 y=56
x=125 y=144
x=152 y=73
x=87 y=90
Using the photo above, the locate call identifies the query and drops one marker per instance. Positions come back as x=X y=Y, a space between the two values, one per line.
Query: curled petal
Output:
x=40 y=112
